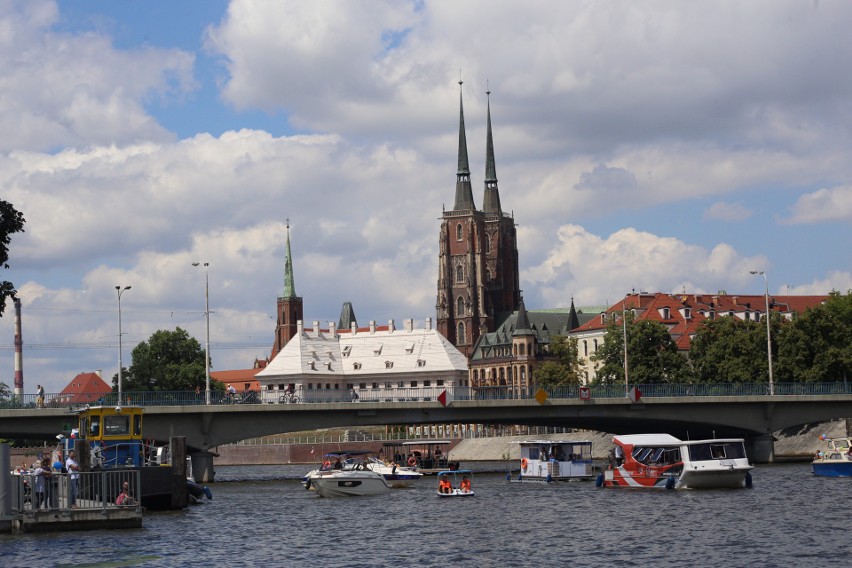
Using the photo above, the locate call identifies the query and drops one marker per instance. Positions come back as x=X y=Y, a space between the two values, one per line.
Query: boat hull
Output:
x=832 y=469
x=456 y=493
x=343 y=484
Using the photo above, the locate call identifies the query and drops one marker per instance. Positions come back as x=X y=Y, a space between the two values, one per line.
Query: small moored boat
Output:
x=836 y=461
x=555 y=460
x=350 y=479
x=455 y=483
x=665 y=462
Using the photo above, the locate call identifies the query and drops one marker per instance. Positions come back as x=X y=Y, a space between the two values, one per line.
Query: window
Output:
x=400 y=385
x=362 y=386
x=347 y=350
x=585 y=348
x=488 y=244
x=117 y=425
x=375 y=386
x=460 y=307
x=310 y=386
x=388 y=364
x=459 y=232
x=356 y=366
x=413 y=384
x=459 y=274
x=460 y=334
x=427 y=383
x=521 y=348
x=440 y=382
x=421 y=363
x=387 y=385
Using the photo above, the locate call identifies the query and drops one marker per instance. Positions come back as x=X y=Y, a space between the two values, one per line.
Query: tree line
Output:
x=815 y=346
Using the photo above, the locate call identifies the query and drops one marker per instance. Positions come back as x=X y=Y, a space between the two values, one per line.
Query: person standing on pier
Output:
x=41 y=475
x=73 y=479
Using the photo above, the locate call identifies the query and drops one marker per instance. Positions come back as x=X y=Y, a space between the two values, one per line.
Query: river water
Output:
x=263 y=515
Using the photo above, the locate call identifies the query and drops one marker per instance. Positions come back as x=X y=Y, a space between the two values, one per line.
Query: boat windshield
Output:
x=717 y=451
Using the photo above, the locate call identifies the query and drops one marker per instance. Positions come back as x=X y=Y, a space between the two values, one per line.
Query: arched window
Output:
x=460 y=307
x=460 y=334
x=595 y=344
x=487 y=244
x=459 y=232
x=459 y=274
x=585 y=348
x=521 y=349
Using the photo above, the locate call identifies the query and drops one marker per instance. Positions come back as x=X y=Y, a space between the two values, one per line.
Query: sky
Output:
x=659 y=146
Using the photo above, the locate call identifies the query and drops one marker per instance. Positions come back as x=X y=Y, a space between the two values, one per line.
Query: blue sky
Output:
x=656 y=146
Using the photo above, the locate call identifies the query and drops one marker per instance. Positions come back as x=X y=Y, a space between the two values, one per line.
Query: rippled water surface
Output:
x=262 y=515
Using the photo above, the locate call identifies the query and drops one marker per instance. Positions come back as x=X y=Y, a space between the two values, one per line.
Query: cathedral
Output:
x=478 y=283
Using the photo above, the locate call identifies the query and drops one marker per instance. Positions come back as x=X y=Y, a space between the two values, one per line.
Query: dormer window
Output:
x=312 y=365
x=347 y=350
x=378 y=350
x=421 y=363
x=409 y=348
x=328 y=365
x=388 y=364
x=356 y=366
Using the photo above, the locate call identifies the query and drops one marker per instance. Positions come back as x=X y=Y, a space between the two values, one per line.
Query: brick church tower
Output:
x=289 y=305
x=478 y=283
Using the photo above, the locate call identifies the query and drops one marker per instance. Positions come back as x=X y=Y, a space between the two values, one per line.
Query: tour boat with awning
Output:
x=554 y=460
x=665 y=462
x=836 y=461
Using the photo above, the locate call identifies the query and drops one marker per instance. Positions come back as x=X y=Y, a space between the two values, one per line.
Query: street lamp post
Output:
x=119 y=291
x=624 y=327
x=768 y=332
x=207 y=340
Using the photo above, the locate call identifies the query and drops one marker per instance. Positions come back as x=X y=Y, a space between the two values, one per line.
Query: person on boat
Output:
x=818 y=455
x=465 y=485
x=338 y=464
x=326 y=465
x=444 y=485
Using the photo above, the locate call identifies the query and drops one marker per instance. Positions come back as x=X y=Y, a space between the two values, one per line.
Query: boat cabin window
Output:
x=717 y=451
x=658 y=453
x=116 y=425
x=641 y=454
x=95 y=428
x=137 y=425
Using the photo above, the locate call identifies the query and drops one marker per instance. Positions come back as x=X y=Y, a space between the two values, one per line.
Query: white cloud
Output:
x=823 y=205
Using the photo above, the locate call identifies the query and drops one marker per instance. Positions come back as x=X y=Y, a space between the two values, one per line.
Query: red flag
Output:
x=445 y=398
x=635 y=394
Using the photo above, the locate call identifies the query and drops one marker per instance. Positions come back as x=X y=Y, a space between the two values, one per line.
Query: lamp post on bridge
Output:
x=119 y=291
x=768 y=332
x=207 y=340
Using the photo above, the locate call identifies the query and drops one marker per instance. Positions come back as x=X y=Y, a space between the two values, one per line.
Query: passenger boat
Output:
x=555 y=460
x=353 y=481
x=396 y=475
x=836 y=461
x=663 y=461
x=425 y=456
x=113 y=436
x=455 y=483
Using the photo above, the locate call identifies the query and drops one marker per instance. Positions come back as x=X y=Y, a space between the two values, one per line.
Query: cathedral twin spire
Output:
x=464 y=193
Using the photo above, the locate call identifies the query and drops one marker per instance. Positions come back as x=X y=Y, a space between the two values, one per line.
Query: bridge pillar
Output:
x=761 y=448
x=202 y=467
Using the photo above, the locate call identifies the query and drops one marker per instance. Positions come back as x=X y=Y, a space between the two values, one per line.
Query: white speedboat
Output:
x=555 y=460
x=396 y=475
x=665 y=462
x=348 y=483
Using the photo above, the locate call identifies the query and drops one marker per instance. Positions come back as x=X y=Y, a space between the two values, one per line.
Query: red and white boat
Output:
x=664 y=462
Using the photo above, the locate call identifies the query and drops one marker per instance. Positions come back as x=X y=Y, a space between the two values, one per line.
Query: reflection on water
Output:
x=264 y=515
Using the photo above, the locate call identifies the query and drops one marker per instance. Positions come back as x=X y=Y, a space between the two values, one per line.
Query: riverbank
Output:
x=793 y=444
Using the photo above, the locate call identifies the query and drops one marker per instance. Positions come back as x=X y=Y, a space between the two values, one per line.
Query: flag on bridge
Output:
x=635 y=394
x=445 y=398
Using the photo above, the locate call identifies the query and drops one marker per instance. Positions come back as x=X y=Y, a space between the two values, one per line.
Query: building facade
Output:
x=478 y=282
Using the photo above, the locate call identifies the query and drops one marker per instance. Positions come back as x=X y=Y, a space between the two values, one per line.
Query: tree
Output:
x=168 y=361
x=730 y=350
x=652 y=355
x=11 y=222
x=564 y=368
x=817 y=345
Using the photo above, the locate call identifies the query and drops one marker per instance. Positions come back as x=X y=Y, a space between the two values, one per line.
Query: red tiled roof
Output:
x=242 y=379
x=85 y=387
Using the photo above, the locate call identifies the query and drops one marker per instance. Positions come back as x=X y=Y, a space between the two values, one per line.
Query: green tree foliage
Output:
x=730 y=350
x=564 y=369
x=11 y=222
x=652 y=356
x=168 y=361
x=817 y=345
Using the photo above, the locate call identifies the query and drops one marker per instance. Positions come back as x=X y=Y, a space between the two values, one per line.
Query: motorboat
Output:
x=397 y=476
x=554 y=460
x=455 y=483
x=664 y=462
x=348 y=475
x=836 y=461
x=349 y=483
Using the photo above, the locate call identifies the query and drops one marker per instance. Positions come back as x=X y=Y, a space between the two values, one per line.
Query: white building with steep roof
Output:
x=367 y=363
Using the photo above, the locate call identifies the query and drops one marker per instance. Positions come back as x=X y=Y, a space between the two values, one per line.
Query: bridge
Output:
x=682 y=410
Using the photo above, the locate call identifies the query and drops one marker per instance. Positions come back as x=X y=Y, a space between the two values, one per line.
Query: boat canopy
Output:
x=425 y=442
x=552 y=442
x=647 y=440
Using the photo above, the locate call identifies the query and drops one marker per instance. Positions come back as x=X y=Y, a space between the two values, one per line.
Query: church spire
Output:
x=289 y=285
x=491 y=202
x=464 y=194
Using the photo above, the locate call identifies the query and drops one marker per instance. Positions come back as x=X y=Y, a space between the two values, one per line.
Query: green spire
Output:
x=289 y=286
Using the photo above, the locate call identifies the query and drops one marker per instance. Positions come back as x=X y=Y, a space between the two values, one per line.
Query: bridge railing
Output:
x=425 y=394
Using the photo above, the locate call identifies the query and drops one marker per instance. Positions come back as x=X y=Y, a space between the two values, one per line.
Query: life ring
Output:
x=524 y=463
x=412 y=461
